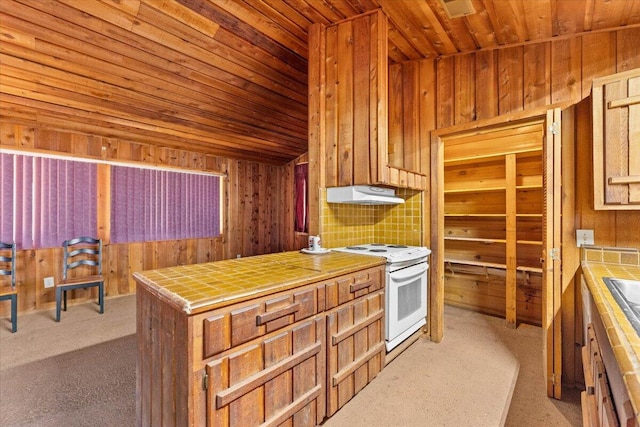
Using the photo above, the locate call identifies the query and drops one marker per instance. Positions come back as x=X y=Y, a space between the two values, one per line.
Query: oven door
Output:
x=406 y=302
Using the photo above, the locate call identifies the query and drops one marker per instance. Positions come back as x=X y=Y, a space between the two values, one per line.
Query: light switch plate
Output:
x=584 y=237
x=48 y=282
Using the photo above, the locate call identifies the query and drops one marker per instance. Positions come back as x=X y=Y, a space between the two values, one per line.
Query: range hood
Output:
x=363 y=195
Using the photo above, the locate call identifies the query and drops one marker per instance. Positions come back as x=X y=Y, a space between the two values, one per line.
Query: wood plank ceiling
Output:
x=229 y=77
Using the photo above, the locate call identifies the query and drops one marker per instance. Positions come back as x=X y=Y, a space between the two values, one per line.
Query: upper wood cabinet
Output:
x=348 y=105
x=616 y=141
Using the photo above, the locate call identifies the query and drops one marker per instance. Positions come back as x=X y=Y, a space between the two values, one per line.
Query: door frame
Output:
x=552 y=284
x=551 y=256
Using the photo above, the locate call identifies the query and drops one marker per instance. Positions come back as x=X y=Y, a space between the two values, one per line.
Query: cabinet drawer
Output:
x=240 y=323
x=350 y=287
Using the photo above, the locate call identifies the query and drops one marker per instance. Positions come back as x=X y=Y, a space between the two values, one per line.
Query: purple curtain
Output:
x=301 y=196
x=46 y=201
x=65 y=201
x=24 y=209
x=6 y=197
x=151 y=205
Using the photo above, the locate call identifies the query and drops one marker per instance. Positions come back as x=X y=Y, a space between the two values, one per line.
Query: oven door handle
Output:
x=408 y=273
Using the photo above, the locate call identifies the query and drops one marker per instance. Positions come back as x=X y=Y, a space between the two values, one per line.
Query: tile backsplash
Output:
x=344 y=224
x=625 y=256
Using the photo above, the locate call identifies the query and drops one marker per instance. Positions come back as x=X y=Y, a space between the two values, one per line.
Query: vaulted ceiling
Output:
x=229 y=77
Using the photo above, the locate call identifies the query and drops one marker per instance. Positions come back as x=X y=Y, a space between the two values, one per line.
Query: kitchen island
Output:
x=612 y=350
x=258 y=340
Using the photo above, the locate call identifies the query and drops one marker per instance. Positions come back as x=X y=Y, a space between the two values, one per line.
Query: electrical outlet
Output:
x=48 y=282
x=584 y=237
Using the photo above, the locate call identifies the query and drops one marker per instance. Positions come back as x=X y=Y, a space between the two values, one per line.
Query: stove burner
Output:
x=397 y=256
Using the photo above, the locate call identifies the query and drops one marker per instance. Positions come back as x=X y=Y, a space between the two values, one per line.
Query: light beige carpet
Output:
x=482 y=374
x=39 y=336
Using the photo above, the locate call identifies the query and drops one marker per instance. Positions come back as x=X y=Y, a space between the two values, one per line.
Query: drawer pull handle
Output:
x=354 y=287
x=261 y=319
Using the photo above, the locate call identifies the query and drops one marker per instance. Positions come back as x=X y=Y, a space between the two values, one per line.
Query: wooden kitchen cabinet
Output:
x=260 y=361
x=616 y=141
x=277 y=376
x=493 y=196
x=348 y=105
x=355 y=335
x=596 y=400
x=607 y=359
x=263 y=361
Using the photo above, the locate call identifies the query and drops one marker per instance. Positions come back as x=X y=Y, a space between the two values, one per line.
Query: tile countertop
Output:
x=622 y=336
x=200 y=287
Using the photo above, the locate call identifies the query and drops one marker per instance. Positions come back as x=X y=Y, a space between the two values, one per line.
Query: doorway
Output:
x=496 y=221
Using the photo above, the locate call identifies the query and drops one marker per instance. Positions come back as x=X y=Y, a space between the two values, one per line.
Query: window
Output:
x=153 y=204
x=45 y=201
x=301 y=197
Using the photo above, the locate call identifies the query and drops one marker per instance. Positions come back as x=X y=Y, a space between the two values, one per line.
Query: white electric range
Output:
x=406 y=287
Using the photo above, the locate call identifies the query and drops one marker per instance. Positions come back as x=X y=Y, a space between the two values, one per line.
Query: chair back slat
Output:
x=82 y=251
x=8 y=261
x=78 y=263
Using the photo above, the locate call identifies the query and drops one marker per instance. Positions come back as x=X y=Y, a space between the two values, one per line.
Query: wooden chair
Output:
x=84 y=256
x=8 y=268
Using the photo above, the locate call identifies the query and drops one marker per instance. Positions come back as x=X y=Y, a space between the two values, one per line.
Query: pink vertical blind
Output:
x=149 y=204
x=6 y=197
x=301 y=197
x=24 y=210
x=46 y=201
x=65 y=200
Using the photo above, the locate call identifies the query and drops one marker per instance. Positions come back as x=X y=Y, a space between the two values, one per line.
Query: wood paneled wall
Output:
x=258 y=213
x=435 y=94
x=487 y=84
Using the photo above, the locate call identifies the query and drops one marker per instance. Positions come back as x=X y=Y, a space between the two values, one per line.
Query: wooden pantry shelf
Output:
x=481 y=215
x=475 y=190
x=476 y=158
x=475 y=239
x=450 y=261
x=522 y=268
x=527 y=269
x=529 y=187
x=529 y=242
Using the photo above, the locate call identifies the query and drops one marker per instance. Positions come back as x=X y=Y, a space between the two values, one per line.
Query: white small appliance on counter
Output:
x=315 y=247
